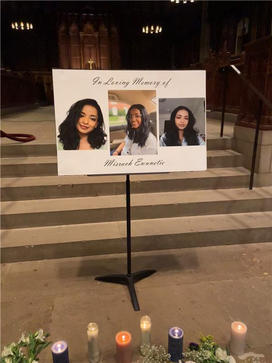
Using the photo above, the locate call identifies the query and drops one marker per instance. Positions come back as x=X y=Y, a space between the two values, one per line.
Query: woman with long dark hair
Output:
x=139 y=139
x=181 y=131
x=83 y=128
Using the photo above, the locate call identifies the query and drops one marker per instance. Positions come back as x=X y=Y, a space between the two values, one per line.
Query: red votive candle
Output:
x=123 y=347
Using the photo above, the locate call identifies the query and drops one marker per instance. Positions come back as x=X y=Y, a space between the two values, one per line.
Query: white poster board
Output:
x=156 y=120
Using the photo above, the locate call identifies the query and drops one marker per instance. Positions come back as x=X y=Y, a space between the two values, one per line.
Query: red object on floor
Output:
x=18 y=137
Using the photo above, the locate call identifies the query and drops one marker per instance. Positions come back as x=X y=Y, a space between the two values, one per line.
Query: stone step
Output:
x=82 y=186
x=15 y=149
x=220 y=143
x=224 y=158
x=42 y=166
x=38 y=243
x=29 y=166
x=49 y=212
x=24 y=150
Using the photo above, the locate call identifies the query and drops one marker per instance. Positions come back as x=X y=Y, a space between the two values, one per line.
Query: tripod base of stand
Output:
x=128 y=280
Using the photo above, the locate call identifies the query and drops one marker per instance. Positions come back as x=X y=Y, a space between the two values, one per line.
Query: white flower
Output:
x=24 y=339
x=39 y=335
x=231 y=359
x=8 y=350
x=205 y=354
x=221 y=354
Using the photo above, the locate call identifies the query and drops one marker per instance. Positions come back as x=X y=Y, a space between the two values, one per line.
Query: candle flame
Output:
x=59 y=347
x=92 y=330
x=123 y=338
x=145 y=322
x=239 y=327
x=176 y=332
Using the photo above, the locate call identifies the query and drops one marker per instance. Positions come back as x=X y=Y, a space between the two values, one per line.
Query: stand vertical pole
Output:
x=131 y=277
x=128 y=225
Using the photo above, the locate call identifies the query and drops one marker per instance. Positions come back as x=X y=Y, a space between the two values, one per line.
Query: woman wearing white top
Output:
x=139 y=139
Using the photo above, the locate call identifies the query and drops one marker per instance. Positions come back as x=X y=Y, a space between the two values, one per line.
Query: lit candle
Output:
x=238 y=337
x=60 y=352
x=123 y=347
x=175 y=343
x=93 y=348
x=145 y=325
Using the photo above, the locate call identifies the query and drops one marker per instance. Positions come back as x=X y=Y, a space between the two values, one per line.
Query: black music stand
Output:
x=131 y=277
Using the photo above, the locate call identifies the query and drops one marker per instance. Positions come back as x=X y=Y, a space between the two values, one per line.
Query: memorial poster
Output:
x=129 y=122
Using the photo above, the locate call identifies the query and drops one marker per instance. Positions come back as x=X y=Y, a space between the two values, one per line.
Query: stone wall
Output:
x=244 y=142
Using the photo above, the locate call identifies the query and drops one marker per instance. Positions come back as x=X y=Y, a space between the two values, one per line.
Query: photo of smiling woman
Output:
x=139 y=139
x=83 y=128
x=180 y=130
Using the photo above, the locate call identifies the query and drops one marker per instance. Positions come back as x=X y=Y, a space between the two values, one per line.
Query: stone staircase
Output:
x=45 y=216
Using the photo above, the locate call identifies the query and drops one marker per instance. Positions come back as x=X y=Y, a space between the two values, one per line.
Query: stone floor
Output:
x=202 y=290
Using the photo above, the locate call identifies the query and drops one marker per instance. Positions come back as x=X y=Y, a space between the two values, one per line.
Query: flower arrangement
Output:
x=154 y=354
x=207 y=352
x=27 y=349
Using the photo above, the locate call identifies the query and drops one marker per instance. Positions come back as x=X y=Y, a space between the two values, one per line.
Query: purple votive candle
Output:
x=175 y=343
x=60 y=352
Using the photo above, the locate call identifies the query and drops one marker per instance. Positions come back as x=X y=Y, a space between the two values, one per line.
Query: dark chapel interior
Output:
x=109 y=35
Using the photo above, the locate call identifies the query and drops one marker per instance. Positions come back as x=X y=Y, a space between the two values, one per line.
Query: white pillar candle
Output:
x=145 y=325
x=238 y=337
x=93 y=348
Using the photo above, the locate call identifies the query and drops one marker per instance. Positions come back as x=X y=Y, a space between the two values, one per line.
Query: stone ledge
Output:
x=244 y=142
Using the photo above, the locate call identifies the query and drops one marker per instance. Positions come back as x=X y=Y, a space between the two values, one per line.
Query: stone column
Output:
x=74 y=46
x=205 y=33
x=258 y=69
x=115 y=51
x=104 y=46
x=63 y=40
